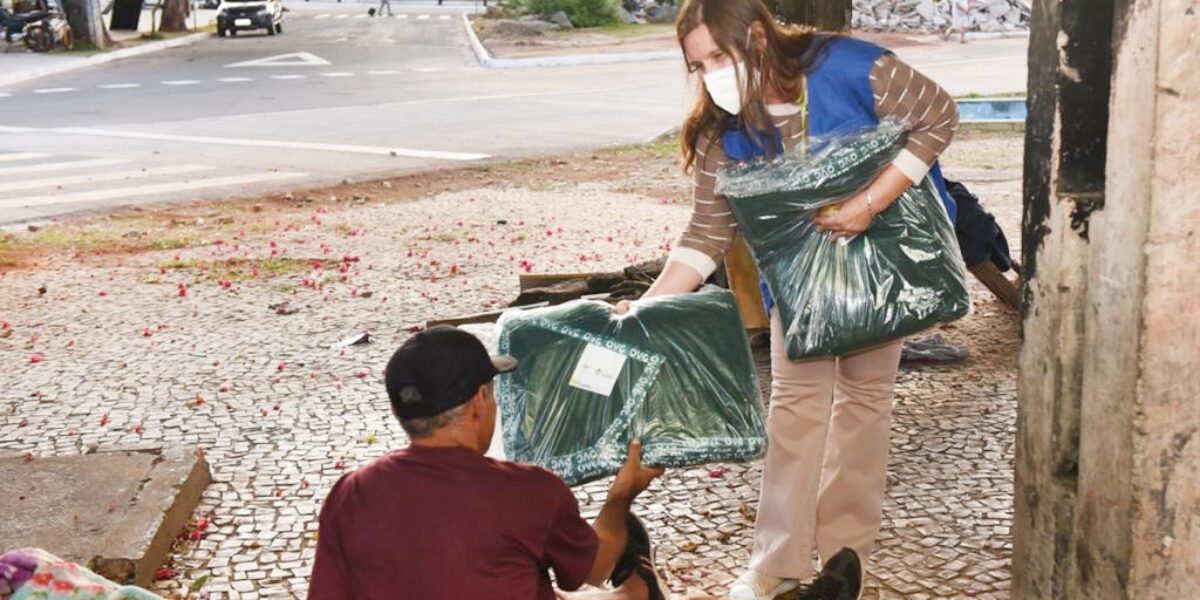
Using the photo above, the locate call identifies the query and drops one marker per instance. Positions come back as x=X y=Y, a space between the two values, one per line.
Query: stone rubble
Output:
x=926 y=16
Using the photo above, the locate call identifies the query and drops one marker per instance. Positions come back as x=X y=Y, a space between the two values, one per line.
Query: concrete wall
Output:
x=1108 y=465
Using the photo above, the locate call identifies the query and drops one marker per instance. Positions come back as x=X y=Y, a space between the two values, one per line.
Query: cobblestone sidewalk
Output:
x=214 y=325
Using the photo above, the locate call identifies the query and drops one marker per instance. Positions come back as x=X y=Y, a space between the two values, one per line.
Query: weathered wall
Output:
x=1166 y=527
x=1108 y=464
x=1064 y=186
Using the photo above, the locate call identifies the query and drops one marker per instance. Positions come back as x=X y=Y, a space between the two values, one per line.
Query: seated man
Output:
x=440 y=520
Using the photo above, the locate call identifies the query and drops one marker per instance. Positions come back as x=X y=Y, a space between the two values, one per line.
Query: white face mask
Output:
x=723 y=88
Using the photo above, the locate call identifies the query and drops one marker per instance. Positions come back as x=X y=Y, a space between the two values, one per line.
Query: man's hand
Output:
x=845 y=220
x=633 y=478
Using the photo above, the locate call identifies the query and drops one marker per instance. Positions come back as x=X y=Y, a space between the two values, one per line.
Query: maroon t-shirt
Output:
x=448 y=523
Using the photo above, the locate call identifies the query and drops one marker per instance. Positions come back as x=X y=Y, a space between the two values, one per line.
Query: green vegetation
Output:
x=583 y=13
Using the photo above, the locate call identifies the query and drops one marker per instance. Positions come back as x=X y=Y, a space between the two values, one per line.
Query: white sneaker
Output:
x=752 y=585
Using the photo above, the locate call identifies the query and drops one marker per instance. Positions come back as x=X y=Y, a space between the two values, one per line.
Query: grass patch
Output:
x=667 y=148
x=153 y=36
x=243 y=269
x=978 y=96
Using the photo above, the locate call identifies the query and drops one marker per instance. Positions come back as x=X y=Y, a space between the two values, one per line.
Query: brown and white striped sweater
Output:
x=900 y=92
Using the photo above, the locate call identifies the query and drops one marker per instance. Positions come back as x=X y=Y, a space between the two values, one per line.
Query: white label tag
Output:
x=598 y=370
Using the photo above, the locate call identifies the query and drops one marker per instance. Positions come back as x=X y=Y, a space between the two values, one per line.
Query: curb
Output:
x=488 y=61
x=99 y=59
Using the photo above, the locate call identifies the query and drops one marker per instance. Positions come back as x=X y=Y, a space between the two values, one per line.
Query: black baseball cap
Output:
x=439 y=369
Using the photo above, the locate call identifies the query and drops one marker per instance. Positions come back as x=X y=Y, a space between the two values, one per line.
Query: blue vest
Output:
x=840 y=99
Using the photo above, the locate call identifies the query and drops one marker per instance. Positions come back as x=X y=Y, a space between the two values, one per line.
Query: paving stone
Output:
x=277 y=440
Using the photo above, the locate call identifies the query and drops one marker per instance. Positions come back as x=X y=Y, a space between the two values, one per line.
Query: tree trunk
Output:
x=87 y=22
x=824 y=15
x=175 y=14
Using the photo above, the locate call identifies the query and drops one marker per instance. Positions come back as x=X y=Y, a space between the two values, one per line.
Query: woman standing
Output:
x=765 y=88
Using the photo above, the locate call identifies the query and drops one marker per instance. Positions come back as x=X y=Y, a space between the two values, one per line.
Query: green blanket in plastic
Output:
x=675 y=371
x=903 y=275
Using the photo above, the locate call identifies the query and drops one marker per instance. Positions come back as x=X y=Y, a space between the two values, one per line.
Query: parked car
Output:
x=210 y=3
x=242 y=15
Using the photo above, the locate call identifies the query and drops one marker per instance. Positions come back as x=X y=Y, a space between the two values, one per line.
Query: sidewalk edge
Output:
x=486 y=60
x=100 y=59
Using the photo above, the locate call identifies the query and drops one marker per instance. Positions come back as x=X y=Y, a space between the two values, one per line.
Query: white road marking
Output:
x=235 y=79
x=343 y=16
x=55 y=90
x=428 y=69
x=148 y=190
x=422 y=17
x=444 y=18
x=195 y=139
x=401 y=16
x=385 y=72
x=293 y=59
x=288 y=76
x=319 y=17
x=338 y=74
x=181 y=82
x=361 y=16
x=120 y=86
x=63 y=166
x=29 y=184
x=8 y=129
x=23 y=156
x=4 y=95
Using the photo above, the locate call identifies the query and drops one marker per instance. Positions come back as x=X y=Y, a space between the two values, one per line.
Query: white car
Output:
x=240 y=15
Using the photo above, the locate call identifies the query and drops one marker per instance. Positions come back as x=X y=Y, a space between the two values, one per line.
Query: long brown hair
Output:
x=788 y=54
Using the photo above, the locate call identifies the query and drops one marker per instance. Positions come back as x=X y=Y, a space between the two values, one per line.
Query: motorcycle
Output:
x=40 y=30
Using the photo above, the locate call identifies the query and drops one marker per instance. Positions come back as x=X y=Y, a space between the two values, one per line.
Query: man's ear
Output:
x=477 y=403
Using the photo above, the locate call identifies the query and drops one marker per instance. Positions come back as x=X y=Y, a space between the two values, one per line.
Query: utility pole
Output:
x=824 y=15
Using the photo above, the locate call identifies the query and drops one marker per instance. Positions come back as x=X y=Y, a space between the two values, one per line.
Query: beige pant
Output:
x=826 y=465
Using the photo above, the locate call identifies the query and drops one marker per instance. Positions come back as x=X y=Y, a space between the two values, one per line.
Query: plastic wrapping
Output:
x=676 y=372
x=903 y=275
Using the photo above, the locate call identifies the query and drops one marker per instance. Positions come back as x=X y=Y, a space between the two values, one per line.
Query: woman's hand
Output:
x=847 y=219
x=621 y=307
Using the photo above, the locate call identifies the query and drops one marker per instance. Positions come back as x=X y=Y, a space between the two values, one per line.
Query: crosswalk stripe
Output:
x=120 y=86
x=337 y=74
x=63 y=166
x=384 y=72
x=422 y=17
x=31 y=184
x=342 y=16
x=61 y=90
x=428 y=69
x=324 y=16
x=287 y=77
x=23 y=156
x=181 y=82
x=444 y=18
x=5 y=95
x=401 y=16
x=347 y=148
x=361 y=16
x=148 y=190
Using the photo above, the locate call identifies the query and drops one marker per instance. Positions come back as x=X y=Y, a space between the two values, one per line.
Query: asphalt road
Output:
x=339 y=95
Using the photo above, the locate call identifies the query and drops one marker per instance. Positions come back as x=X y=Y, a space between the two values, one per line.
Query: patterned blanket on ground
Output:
x=34 y=574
